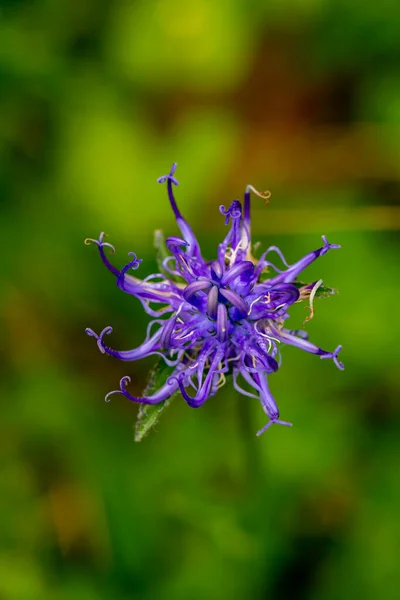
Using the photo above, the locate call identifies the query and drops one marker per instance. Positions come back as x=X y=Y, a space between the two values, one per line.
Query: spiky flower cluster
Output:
x=217 y=317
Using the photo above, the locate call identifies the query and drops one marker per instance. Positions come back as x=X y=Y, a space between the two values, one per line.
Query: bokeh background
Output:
x=98 y=98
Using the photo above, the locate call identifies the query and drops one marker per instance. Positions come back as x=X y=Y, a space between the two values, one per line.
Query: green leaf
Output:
x=322 y=291
x=149 y=414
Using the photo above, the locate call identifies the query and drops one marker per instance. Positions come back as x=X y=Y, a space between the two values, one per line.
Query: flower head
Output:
x=220 y=317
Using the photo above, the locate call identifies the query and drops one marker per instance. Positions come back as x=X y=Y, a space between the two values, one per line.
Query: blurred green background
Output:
x=98 y=98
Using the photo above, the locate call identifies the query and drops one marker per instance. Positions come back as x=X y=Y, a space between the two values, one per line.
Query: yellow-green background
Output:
x=98 y=98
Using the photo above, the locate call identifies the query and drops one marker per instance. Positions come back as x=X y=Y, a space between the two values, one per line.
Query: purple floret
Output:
x=216 y=317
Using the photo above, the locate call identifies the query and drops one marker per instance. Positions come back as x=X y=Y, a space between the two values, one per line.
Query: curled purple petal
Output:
x=193 y=245
x=294 y=270
x=133 y=264
x=149 y=346
x=274 y=422
x=233 y=212
x=170 y=176
x=203 y=392
x=162 y=394
x=328 y=246
x=101 y=245
x=99 y=338
x=166 y=335
x=334 y=355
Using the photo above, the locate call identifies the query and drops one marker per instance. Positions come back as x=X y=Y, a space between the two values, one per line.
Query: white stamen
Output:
x=231 y=253
x=270 y=338
x=311 y=305
x=264 y=195
x=221 y=381
x=237 y=357
x=278 y=307
x=267 y=297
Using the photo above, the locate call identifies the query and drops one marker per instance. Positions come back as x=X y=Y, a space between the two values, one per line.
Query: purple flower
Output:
x=219 y=317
